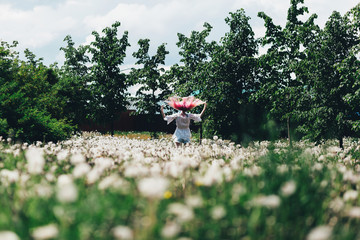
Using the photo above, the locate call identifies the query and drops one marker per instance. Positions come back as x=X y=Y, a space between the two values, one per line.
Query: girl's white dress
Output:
x=182 y=132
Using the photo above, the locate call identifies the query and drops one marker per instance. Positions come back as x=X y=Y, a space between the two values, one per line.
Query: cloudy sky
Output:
x=41 y=25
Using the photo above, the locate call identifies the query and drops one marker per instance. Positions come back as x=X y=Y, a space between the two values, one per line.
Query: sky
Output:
x=42 y=25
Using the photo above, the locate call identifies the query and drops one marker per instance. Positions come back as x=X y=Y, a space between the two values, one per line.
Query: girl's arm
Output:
x=202 y=112
x=162 y=111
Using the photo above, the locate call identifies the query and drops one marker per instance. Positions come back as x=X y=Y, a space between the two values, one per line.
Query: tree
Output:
x=232 y=78
x=153 y=87
x=333 y=84
x=30 y=108
x=74 y=78
x=280 y=87
x=191 y=77
x=108 y=83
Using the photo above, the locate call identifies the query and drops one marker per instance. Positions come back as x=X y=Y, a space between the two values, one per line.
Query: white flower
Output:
x=66 y=189
x=215 y=138
x=350 y=195
x=283 y=168
x=93 y=175
x=334 y=150
x=62 y=155
x=170 y=230
x=253 y=171
x=320 y=233
x=113 y=181
x=237 y=191
x=288 y=188
x=103 y=163
x=8 y=235
x=77 y=158
x=123 y=233
x=318 y=166
x=194 y=201
x=354 y=212
x=9 y=176
x=182 y=212
x=337 y=204
x=213 y=175
x=80 y=170
x=153 y=187
x=218 y=212
x=43 y=190
x=35 y=159
x=45 y=232
x=271 y=201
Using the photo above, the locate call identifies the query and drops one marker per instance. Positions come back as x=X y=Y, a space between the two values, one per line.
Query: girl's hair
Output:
x=185 y=104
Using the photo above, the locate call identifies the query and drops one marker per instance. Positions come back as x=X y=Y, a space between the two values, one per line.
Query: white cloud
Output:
x=42 y=27
x=33 y=28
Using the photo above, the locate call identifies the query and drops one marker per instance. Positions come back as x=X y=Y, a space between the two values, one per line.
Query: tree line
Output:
x=307 y=84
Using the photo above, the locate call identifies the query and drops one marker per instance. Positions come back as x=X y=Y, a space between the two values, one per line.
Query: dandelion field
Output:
x=101 y=187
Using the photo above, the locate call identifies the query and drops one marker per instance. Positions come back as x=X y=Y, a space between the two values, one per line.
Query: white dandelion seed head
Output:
x=218 y=212
x=123 y=233
x=35 y=160
x=170 y=230
x=183 y=212
x=45 y=232
x=320 y=233
x=153 y=187
x=353 y=212
x=194 y=201
x=288 y=188
x=66 y=189
x=81 y=170
x=270 y=201
x=8 y=235
x=350 y=195
x=77 y=158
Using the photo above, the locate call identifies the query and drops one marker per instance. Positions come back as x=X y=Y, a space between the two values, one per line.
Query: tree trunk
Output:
x=341 y=142
x=288 y=129
x=112 y=128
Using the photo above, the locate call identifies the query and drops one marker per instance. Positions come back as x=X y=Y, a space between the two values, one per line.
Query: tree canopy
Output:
x=306 y=85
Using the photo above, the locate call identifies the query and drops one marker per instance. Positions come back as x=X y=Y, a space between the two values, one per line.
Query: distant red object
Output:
x=185 y=103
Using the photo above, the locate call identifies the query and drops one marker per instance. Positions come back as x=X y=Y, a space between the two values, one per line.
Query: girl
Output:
x=182 y=133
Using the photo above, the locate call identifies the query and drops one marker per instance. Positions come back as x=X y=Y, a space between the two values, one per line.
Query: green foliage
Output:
x=153 y=87
x=308 y=81
x=191 y=77
x=232 y=80
x=30 y=106
x=279 y=67
x=73 y=83
x=331 y=98
x=108 y=84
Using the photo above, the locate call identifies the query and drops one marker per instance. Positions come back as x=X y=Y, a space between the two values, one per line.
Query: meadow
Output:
x=95 y=186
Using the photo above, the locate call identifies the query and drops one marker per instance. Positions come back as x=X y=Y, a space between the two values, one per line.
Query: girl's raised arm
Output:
x=202 y=112
x=162 y=111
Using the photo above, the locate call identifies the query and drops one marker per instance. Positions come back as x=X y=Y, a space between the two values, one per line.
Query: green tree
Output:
x=7 y=72
x=191 y=76
x=232 y=78
x=331 y=69
x=30 y=107
x=153 y=87
x=280 y=86
x=108 y=83
x=73 y=84
x=195 y=52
